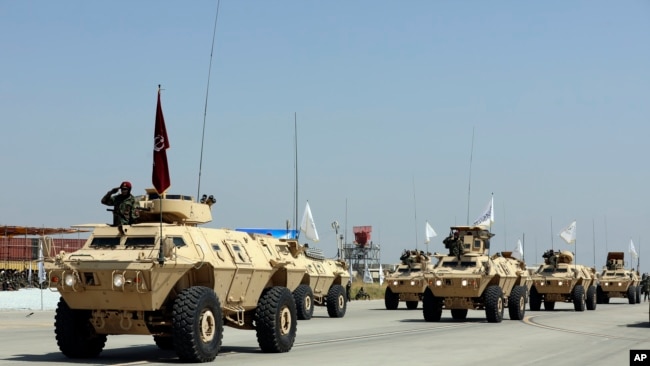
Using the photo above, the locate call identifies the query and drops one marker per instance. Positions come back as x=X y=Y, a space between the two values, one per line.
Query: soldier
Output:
x=348 y=290
x=124 y=204
x=645 y=287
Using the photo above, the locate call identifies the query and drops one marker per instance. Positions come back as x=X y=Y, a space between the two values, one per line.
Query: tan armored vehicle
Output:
x=322 y=284
x=617 y=281
x=407 y=282
x=558 y=279
x=168 y=277
x=468 y=278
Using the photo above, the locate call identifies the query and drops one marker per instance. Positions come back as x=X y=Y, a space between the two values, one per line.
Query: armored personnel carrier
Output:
x=468 y=278
x=407 y=282
x=558 y=279
x=168 y=277
x=617 y=281
x=322 y=284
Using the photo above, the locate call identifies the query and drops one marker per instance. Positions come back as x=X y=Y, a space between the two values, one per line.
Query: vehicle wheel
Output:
x=600 y=295
x=197 y=323
x=336 y=304
x=631 y=294
x=549 y=305
x=459 y=314
x=431 y=307
x=391 y=299
x=164 y=342
x=591 y=298
x=494 y=304
x=579 y=298
x=535 y=300
x=304 y=298
x=412 y=305
x=75 y=335
x=517 y=303
x=276 y=320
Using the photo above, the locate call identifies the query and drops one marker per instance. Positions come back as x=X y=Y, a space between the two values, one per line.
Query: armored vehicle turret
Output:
x=468 y=278
x=559 y=279
x=407 y=282
x=617 y=281
x=168 y=277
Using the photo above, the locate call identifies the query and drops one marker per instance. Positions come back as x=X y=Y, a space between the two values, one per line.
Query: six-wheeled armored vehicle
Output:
x=559 y=279
x=168 y=277
x=468 y=278
x=407 y=282
x=617 y=281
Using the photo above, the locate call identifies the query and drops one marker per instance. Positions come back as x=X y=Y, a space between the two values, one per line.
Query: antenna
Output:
x=205 y=109
x=469 y=185
x=295 y=157
x=415 y=211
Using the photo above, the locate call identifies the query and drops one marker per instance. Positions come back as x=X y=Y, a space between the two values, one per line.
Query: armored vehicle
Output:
x=407 y=282
x=468 y=278
x=322 y=284
x=168 y=277
x=617 y=281
x=558 y=279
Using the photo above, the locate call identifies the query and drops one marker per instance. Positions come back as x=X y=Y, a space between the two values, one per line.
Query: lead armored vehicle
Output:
x=322 y=284
x=559 y=279
x=468 y=278
x=168 y=277
x=407 y=282
x=617 y=281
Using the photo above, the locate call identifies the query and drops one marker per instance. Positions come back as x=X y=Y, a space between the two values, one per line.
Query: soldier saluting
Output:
x=124 y=204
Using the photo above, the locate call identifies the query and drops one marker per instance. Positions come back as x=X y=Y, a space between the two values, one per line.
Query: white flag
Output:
x=519 y=251
x=569 y=233
x=308 y=226
x=381 y=275
x=429 y=232
x=487 y=217
x=633 y=252
x=41 y=267
x=367 y=278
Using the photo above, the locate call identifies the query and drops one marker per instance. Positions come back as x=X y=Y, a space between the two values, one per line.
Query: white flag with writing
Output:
x=381 y=275
x=487 y=217
x=633 y=252
x=569 y=233
x=429 y=232
x=308 y=226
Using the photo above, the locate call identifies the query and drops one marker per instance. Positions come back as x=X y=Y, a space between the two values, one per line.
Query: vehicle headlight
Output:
x=395 y=283
x=541 y=283
x=463 y=283
x=606 y=283
x=413 y=282
x=559 y=283
x=70 y=280
x=620 y=284
x=118 y=280
x=438 y=282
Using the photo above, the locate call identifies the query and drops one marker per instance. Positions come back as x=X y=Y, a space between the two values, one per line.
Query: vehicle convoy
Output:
x=617 y=281
x=407 y=282
x=323 y=283
x=559 y=279
x=468 y=278
x=168 y=277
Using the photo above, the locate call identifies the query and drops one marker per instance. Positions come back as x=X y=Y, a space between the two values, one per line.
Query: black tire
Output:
x=517 y=302
x=197 y=324
x=276 y=320
x=535 y=300
x=75 y=335
x=164 y=342
x=412 y=305
x=579 y=298
x=304 y=298
x=431 y=306
x=600 y=295
x=391 y=299
x=631 y=294
x=459 y=314
x=336 y=303
x=591 y=298
x=494 y=306
x=549 y=305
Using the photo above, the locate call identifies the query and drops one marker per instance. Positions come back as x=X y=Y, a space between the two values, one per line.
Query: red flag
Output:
x=160 y=176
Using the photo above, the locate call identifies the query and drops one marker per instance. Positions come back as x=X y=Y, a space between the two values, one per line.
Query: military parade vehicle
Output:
x=617 y=281
x=559 y=279
x=407 y=282
x=468 y=278
x=323 y=283
x=168 y=277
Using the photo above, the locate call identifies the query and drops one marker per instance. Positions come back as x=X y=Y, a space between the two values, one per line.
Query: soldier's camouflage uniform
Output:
x=124 y=208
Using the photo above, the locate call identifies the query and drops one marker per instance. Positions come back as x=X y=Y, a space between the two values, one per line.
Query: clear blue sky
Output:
x=387 y=95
